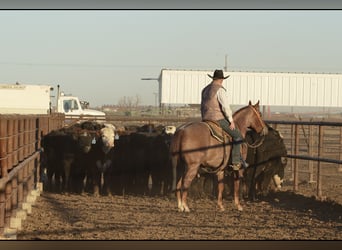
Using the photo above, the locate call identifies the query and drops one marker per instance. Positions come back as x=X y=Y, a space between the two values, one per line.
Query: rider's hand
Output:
x=232 y=125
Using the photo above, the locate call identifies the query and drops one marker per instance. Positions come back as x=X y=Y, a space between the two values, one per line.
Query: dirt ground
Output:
x=283 y=215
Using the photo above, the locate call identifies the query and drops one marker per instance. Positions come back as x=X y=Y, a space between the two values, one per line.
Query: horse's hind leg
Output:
x=188 y=177
x=178 y=195
x=220 y=177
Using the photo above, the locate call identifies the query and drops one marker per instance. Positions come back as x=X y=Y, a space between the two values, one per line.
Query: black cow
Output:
x=159 y=163
x=63 y=150
x=267 y=163
x=98 y=161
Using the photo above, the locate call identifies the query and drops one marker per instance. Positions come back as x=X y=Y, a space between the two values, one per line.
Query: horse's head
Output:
x=250 y=117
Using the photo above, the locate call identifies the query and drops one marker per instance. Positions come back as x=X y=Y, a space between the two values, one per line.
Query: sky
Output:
x=102 y=55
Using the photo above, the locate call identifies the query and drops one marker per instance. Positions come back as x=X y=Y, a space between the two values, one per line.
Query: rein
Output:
x=255 y=144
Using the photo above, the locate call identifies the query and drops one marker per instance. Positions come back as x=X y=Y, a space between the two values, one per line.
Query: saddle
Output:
x=217 y=131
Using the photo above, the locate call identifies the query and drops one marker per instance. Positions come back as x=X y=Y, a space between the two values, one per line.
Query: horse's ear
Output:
x=257 y=103
x=249 y=103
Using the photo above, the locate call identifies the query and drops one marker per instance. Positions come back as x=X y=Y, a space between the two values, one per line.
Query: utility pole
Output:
x=157 y=95
x=225 y=63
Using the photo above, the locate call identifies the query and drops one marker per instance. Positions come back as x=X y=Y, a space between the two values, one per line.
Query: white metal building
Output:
x=272 y=89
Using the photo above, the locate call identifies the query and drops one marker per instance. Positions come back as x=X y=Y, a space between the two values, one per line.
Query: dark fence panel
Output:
x=20 y=137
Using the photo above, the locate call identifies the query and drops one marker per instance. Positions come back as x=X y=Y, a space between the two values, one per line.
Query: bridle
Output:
x=261 y=141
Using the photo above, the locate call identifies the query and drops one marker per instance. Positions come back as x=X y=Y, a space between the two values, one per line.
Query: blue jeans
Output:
x=237 y=140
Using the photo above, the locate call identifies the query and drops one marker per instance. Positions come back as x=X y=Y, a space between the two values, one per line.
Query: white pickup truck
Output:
x=37 y=99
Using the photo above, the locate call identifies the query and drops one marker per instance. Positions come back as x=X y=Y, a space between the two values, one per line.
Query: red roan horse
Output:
x=193 y=146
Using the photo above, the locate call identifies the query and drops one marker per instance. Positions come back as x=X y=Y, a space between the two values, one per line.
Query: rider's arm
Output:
x=223 y=99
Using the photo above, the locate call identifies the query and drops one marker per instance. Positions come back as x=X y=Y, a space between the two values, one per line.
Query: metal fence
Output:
x=20 y=138
x=315 y=150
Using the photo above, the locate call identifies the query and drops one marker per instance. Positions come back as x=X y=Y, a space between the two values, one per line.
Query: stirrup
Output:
x=236 y=166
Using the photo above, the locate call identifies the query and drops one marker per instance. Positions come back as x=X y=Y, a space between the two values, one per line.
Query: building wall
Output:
x=274 y=89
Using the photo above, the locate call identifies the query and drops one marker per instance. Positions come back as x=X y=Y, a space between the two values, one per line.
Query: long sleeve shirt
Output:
x=223 y=99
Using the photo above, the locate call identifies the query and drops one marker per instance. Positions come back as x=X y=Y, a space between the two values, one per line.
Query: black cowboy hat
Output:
x=218 y=74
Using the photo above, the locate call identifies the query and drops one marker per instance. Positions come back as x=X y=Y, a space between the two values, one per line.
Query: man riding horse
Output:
x=215 y=106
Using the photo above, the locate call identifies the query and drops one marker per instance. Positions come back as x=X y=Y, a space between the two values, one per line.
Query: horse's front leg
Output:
x=237 y=189
x=220 y=187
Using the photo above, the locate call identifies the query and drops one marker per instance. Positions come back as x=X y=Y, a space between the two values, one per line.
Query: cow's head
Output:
x=85 y=139
x=169 y=130
x=278 y=177
x=107 y=136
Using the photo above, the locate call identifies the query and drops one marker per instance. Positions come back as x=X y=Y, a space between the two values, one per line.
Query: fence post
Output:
x=340 y=166
x=295 y=168
x=2 y=211
x=15 y=141
x=26 y=137
x=320 y=152
x=3 y=146
x=10 y=143
x=292 y=151
x=310 y=151
x=8 y=203
x=21 y=139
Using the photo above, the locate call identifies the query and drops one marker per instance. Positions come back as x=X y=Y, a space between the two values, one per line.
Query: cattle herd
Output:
x=101 y=159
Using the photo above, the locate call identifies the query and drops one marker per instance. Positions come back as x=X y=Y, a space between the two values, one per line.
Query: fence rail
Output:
x=320 y=142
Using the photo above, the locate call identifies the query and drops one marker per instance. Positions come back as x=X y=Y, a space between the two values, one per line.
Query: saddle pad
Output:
x=217 y=132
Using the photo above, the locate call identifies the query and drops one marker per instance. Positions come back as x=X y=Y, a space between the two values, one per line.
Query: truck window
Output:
x=74 y=104
x=66 y=105
x=70 y=105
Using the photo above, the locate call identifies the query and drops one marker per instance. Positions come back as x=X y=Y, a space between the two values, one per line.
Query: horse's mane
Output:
x=239 y=110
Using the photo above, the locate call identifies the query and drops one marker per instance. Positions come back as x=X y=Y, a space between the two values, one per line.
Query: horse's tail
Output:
x=175 y=151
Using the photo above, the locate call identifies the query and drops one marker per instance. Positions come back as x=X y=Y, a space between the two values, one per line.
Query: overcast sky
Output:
x=101 y=56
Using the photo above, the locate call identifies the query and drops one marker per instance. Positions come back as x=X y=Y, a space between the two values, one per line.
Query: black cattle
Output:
x=158 y=163
x=63 y=150
x=267 y=163
x=137 y=168
x=139 y=156
x=98 y=161
x=63 y=155
x=121 y=175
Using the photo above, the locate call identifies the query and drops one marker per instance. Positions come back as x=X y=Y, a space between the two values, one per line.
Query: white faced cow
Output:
x=99 y=161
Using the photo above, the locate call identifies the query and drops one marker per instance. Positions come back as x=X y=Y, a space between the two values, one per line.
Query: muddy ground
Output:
x=283 y=215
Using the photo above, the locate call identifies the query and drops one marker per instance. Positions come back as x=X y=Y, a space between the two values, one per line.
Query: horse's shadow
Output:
x=326 y=210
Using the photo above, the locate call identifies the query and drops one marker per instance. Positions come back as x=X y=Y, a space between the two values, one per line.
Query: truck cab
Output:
x=72 y=108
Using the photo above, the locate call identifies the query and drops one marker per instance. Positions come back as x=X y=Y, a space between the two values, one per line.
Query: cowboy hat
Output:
x=218 y=74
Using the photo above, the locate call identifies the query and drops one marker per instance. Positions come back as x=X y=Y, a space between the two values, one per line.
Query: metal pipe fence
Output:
x=315 y=150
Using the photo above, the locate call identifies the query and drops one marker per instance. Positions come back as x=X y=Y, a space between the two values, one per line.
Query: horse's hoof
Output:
x=240 y=208
x=221 y=209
